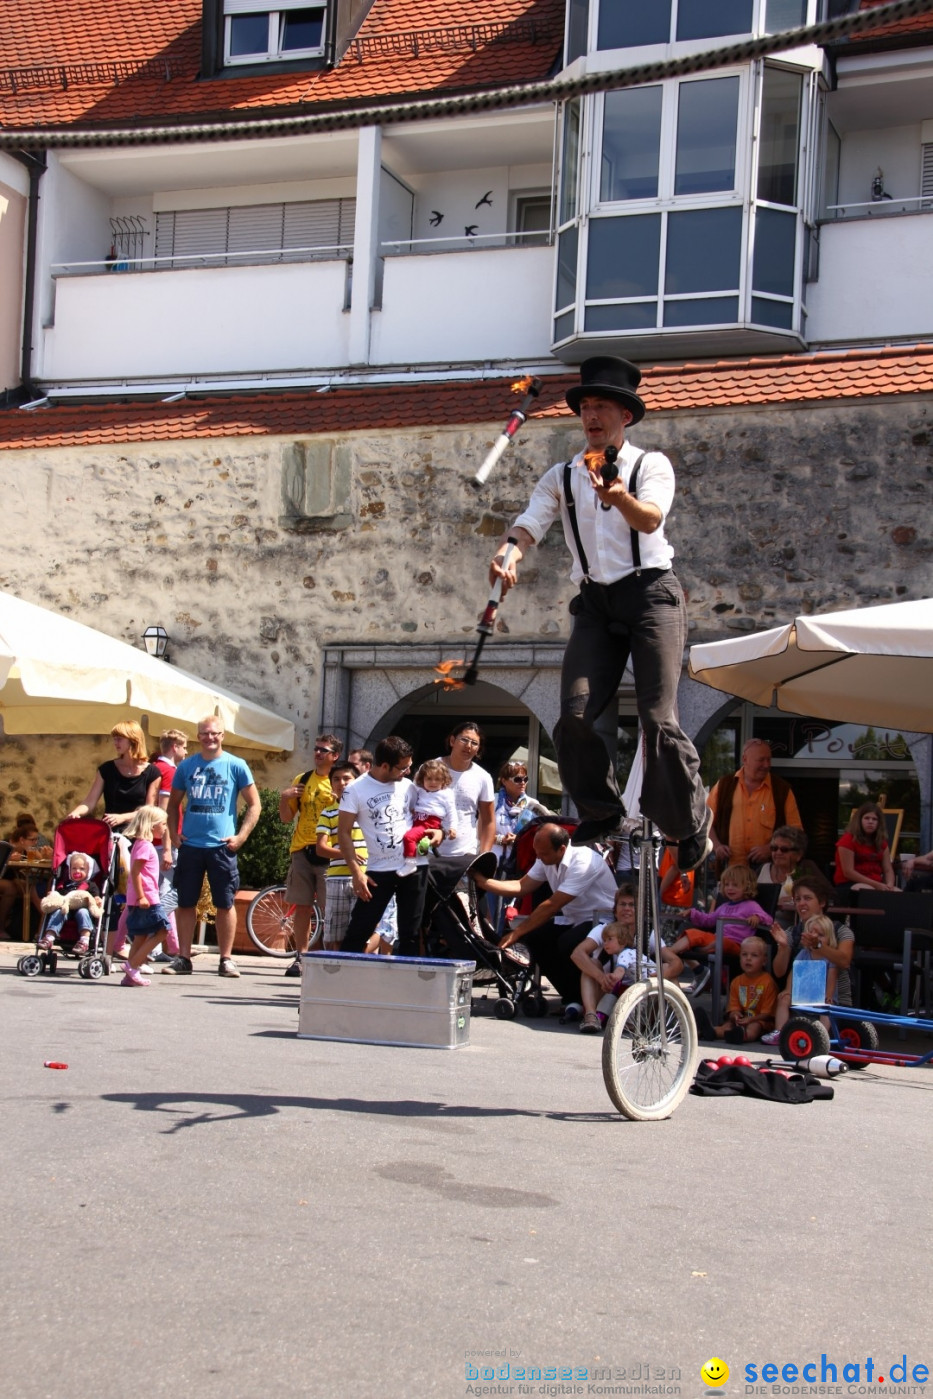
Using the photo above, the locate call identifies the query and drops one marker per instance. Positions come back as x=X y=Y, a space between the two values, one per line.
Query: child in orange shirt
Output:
x=752 y=1000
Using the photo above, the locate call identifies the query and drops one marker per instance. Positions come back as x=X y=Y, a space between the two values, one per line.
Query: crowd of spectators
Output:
x=364 y=834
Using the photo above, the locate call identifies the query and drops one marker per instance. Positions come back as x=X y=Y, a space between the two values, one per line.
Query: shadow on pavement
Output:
x=250 y=1105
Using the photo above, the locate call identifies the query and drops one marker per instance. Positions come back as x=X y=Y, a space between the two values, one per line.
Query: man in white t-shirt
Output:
x=377 y=803
x=583 y=890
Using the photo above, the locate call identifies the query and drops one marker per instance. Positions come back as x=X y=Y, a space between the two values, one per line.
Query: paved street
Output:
x=203 y=1204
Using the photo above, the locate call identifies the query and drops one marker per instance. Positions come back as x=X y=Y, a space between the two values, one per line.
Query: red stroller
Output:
x=95 y=840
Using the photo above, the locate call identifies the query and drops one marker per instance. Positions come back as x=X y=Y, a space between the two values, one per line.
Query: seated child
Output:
x=738 y=886
x=819 y=932
x=606 y=958
x=431 y=809
x=79 y=880
x=752 y=999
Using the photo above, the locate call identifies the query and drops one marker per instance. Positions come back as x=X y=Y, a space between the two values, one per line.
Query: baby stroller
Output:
x=458 y=927
x=95 y=840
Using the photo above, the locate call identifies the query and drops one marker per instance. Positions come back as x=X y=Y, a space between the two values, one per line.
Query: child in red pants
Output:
x=431 y=810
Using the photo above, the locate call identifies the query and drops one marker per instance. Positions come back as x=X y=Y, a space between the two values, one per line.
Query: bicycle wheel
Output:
x=315 y=927
x=270 y=924
x=645 y=1078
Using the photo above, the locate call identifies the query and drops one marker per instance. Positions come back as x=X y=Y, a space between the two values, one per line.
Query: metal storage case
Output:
x=421 y=1001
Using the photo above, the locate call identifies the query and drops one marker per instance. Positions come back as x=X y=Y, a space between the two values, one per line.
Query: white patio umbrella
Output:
x=870 y=665
x=58 y=676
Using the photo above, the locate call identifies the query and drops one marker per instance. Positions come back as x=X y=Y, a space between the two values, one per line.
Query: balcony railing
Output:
x=255 y=257
x=911 y=204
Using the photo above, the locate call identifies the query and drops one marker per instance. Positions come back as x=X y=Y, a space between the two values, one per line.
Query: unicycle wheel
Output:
x=647 y=1072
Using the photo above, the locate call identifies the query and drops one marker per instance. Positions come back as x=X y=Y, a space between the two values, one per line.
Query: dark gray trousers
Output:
x=643 y=616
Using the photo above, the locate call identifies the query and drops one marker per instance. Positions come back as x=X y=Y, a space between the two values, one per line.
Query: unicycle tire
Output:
x=646 y=1079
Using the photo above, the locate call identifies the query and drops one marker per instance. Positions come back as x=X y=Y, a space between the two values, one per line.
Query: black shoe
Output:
x=705 y=1030
x=696 y=848
x=179 y=966
x=599 y=828
x=294 y=968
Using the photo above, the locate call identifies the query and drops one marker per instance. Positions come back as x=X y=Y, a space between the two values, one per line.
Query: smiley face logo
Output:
x=715 y=1372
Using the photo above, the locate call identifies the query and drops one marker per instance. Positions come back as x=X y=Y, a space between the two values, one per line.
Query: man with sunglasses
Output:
x=308 y=796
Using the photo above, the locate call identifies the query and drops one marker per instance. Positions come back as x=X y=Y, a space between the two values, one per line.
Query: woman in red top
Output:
x=862 y=857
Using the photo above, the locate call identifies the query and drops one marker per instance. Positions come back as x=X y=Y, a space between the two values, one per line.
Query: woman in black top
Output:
x=126 y=782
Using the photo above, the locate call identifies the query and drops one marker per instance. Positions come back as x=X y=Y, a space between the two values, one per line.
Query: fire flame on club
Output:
x=446 y=678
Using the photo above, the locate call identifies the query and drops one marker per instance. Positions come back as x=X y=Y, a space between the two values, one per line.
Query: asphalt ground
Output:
x=204 y=1204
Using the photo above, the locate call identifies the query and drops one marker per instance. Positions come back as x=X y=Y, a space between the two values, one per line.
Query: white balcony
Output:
x=875 y=281
x=138 y=326
x=443 y=308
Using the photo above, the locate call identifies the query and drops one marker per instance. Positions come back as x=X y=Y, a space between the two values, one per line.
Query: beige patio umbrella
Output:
x=870 y=665
x=58 y=676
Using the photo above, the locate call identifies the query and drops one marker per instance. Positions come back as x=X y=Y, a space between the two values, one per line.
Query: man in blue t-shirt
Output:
x=210 y=782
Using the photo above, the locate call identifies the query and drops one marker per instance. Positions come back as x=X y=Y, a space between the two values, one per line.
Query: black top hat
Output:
x=604 y=376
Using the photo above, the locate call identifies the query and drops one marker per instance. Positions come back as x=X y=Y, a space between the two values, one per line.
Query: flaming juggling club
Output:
x=484 y=627
x=530 y=388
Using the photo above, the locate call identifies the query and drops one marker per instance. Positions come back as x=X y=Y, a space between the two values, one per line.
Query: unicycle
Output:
x=650 y=1040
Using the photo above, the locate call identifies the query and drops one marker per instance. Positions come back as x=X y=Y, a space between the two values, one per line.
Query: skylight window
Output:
x=254 y=34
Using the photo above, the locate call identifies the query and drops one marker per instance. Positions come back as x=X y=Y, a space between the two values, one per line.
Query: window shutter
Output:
x=926 y=175
x=200 y=231
x=286 y=232
x=255 y=228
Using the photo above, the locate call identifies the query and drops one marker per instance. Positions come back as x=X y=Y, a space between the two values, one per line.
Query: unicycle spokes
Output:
x=650 y=1041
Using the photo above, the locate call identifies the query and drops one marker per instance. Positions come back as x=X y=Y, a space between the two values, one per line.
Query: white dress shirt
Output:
x=605 y=534
x=584 y=874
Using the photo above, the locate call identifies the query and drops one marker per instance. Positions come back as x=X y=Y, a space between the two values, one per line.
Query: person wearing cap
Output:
x=629 y=604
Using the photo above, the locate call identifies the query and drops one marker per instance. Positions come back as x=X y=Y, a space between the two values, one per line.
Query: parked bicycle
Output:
x=270 y=922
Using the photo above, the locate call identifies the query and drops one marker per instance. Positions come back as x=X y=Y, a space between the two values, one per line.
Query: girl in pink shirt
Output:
x=146 y=920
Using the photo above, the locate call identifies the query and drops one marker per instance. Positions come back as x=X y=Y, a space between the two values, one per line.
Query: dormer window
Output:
x=254 y=34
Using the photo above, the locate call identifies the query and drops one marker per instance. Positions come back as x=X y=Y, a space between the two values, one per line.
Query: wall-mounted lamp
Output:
x=155 y=640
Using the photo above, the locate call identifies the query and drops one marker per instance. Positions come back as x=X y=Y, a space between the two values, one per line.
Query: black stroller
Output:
x=457 y=926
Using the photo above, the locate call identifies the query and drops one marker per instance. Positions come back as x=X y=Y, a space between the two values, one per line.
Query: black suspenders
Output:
x=575 y=528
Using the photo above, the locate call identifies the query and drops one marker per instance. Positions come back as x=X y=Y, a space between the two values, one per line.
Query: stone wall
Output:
x=255 y=552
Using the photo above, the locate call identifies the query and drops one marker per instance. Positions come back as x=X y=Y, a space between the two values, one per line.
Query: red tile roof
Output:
x=916 y=25
x=780 y=381
x=61 y=52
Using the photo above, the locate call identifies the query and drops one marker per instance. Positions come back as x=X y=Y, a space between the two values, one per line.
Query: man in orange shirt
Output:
x=748 y=806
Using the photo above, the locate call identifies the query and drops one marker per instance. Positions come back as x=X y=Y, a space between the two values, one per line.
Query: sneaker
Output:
x=46 y=943
x=699 y=983
x=572 y=1013
x=228 y=967
x=772 y=1037
x=162 y=957
x=179 y=966
x=80 y=947
x=696 y=848
x=406 y=868
x=294 y=968
x=590 y=1024
x=132 y=976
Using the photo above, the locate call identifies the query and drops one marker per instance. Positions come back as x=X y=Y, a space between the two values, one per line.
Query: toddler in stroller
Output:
x=76 y=909
x=77 y=898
